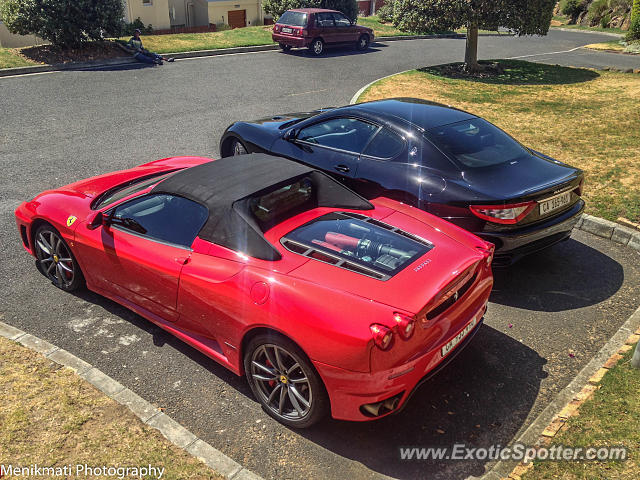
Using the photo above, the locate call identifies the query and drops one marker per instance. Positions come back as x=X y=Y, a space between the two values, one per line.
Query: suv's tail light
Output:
x=507 y=214
x=406 y=325
x=382 y=336
x=276 y=28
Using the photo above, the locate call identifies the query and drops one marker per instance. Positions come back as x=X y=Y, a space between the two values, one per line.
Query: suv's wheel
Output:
x=317 y=47
x=284 y=47
x=363 y=42
x=284 y=381
x=55 y=259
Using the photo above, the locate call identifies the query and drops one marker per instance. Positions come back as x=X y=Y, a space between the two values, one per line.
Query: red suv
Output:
x=316 y=28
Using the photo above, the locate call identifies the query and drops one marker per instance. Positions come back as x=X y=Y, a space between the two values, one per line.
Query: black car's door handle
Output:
x=341 y=168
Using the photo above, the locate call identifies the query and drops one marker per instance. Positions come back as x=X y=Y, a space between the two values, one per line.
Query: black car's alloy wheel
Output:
x=283 y=380
x=238 y=148
x=55 y=260
x=317 y=47
x=363 y=42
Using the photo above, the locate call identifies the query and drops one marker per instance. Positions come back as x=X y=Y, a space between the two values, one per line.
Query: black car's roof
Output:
x=421 y=113
x=222 y=185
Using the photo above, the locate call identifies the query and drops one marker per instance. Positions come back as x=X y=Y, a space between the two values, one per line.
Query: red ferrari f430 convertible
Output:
x=326 y=301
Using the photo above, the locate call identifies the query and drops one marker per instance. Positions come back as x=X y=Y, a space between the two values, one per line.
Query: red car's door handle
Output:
x=182 y=260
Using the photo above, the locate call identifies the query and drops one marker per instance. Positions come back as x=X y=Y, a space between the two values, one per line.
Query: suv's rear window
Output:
x=476 y=143
x=357 y=239
x=295 y=19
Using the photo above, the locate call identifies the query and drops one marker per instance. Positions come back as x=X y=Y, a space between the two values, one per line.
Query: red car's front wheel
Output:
x=283 y=380
x=55 y=259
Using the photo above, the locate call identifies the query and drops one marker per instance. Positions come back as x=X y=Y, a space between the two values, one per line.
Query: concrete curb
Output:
x=566 y=404
x=577 y=30
x=146 y=412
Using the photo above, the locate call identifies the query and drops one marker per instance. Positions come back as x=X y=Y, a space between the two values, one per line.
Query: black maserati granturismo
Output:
x=443 y=160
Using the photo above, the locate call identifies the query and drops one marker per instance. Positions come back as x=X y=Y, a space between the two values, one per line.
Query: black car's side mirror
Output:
x=290 y=135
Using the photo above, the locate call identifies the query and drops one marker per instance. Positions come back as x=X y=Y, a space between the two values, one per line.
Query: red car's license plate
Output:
x=450 y=345
x=286 y=30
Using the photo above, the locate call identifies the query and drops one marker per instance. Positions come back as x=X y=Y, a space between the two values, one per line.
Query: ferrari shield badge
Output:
x=70 y=220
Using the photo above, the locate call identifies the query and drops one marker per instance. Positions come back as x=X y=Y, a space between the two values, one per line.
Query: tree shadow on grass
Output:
x=514 y=72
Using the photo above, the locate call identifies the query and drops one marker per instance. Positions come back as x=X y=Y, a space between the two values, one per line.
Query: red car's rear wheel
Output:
x=283 y=380
x=55 y=259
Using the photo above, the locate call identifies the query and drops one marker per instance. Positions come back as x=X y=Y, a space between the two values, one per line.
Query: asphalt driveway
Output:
x=548 y=315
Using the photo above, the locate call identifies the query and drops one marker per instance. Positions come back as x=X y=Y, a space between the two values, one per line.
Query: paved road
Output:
x=64 y=126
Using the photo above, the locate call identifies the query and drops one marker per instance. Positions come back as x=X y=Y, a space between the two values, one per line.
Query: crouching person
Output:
x=142 y=54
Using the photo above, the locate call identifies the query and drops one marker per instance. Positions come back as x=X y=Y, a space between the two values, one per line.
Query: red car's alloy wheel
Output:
x=284 y=382
x=55 y=259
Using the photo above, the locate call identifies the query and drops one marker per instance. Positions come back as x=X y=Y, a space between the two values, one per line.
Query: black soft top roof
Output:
x=224 y=186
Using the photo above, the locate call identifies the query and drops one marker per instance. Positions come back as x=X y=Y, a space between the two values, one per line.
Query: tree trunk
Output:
x=471 y=52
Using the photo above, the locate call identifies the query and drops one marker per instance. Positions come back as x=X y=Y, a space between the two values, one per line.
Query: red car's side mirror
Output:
x=98 y=220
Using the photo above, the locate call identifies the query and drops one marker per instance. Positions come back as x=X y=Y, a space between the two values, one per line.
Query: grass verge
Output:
x=53 y=418
x=616 y=46
x=562 y=21
x=10 y=58
x=610 y=418
x=582 y=117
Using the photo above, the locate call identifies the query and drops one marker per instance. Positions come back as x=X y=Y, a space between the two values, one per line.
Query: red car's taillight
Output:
x=406 y=325
x=382 y=336
x=276 y=28
x=507 y=214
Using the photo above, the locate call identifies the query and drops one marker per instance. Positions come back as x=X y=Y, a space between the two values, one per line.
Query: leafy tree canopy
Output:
x=64 y=23
x=525 y=17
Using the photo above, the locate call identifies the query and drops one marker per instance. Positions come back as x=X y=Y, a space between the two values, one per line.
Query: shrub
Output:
x=634 y=29
x=385 y=13
x=65 y=23
x=572 y=8
x=278 y=7
x=129 y=28
x=605 y=21
x=620 y=6
x=597 y=10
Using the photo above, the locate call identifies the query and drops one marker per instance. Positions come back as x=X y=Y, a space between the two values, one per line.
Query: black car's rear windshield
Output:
x=340 y=238
x=476 y=143
x=295 y=19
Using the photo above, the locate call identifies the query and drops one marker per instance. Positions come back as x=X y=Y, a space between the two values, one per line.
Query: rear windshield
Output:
x=295 y=19
x=476 y=143
x=357 y=239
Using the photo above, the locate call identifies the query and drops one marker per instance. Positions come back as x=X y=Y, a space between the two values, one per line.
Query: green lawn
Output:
x=582 y=117
x=10 y=58
x=610 y=418
x=561 y=21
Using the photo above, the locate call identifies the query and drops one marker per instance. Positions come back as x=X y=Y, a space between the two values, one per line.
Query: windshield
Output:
x=124 y=190
x=295 y=19
x=476 y=143
x=360 y=240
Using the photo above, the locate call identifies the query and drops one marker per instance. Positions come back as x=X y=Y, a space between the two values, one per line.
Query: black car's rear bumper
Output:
x=513 y=245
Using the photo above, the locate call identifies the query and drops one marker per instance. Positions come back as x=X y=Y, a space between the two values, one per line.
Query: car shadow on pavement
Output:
x=482 y=398
x=162 y=338
x=115 y=68
x=331 y=52
x=567 y=276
